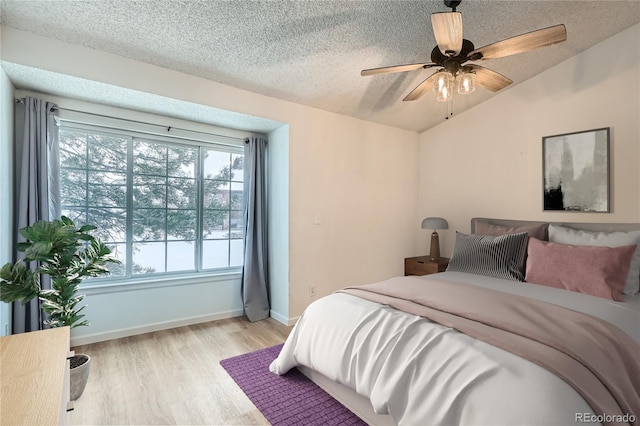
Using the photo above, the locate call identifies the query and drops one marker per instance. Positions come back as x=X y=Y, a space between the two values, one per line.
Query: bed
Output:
x=393 y=367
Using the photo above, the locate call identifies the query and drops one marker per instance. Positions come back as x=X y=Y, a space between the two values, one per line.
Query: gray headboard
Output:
x=597 y=227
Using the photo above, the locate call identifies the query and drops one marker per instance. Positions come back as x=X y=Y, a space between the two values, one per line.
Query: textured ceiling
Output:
x=311 y=52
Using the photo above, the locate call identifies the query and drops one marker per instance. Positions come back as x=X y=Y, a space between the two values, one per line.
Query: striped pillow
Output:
x=494 y=256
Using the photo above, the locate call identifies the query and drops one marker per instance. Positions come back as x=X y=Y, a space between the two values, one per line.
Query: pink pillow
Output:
x=538 y=231
x=598 y=271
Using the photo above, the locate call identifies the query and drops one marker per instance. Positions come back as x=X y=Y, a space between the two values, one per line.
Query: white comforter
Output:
x=422 y=373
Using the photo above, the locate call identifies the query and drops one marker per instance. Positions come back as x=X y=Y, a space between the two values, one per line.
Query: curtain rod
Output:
x=168 y=128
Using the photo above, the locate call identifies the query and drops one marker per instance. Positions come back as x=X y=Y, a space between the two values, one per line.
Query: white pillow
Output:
x=563 y=235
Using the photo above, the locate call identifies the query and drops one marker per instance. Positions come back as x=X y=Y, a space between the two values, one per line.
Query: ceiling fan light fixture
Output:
x=466 y=83
x=443 y=79
x=445 y=94
x=453 y=52
x=447 y=28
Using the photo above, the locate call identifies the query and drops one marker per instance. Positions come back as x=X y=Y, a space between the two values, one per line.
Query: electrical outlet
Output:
x=312 y=290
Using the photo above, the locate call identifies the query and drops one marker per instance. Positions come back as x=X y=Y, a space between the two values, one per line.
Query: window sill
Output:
x=118 y=286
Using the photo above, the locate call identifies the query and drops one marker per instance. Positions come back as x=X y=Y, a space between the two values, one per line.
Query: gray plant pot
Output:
x=80 y=364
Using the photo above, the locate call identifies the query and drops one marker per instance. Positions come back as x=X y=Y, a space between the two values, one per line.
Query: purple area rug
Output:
x=291 y=399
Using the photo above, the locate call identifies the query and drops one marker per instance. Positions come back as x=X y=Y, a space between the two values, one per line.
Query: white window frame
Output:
x=134 y=130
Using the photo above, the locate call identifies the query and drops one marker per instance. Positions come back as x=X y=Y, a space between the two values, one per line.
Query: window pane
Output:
x=237 y=222
x=73 y=147
x=107 y=152
x=148 y=257
x=237 y=167
x=180 y=256
x=149 y=158
x=237 y=195
x=149 y=191
x=216 y=164
x=215 y=223
x=182 y=193
x=118 y=251
x=73 y=187
x=111 y=223
x=107 y=189
x=237 y=253
x=181 y=224
x=182 y=162
x=215 y=254
x=216 y=194
x=149 y=224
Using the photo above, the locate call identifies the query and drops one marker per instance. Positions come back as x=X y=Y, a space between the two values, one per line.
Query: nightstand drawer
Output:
x=422 y=265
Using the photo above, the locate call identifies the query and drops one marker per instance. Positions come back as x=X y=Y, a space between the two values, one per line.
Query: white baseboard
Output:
x=148 y=328
x=282 y=319
x=278 y=317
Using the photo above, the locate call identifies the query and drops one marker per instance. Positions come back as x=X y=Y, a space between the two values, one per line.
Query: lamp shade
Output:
x=435 y=223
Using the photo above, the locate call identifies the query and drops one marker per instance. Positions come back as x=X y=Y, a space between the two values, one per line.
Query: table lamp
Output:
x=434 y=223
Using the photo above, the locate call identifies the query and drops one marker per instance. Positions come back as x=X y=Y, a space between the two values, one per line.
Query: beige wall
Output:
x=487 y=162
x=361 y=179
x=360 y=176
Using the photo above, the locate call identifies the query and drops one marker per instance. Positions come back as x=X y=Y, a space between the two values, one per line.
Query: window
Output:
x=163 y=206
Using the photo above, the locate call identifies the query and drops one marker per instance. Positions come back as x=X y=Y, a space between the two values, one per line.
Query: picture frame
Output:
x=576 y=171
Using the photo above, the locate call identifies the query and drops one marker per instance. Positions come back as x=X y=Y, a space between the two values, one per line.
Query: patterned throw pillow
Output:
x=494 y=256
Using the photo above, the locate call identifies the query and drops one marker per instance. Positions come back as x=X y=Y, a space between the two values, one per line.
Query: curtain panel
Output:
x=36 y=189
x=255 y=273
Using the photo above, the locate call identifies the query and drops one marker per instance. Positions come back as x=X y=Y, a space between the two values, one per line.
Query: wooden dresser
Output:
x=34 y=377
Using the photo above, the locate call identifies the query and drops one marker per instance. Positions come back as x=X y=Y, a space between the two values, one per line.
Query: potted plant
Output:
x=67 y=255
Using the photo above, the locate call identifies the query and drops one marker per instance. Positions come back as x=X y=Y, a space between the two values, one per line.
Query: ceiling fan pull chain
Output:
x=449 y=109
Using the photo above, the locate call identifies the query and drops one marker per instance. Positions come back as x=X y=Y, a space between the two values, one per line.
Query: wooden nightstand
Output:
x=422 y=265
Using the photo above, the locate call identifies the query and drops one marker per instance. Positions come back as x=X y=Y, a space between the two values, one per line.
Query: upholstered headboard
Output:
x=594 y=227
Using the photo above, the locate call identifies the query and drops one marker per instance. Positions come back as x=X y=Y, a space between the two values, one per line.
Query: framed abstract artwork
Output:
x=576 y=171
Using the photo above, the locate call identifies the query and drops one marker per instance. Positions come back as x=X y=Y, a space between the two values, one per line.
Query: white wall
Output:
x=278 y=226
x=6 y=184
x=360 y=176
x=487 y=162
x=125 y=311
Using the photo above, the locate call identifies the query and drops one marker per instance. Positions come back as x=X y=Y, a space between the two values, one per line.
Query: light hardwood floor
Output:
x=173 y=376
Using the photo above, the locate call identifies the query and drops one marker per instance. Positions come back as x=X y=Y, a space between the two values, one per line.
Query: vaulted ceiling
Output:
x=311 y=52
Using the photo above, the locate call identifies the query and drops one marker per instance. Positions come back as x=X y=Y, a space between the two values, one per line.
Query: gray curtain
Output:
x=255 y=273
x=36 y=196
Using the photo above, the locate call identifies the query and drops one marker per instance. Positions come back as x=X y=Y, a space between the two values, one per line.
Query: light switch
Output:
x=318 y=218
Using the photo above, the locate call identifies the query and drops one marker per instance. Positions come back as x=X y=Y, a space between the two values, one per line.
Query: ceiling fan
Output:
x=453 y=52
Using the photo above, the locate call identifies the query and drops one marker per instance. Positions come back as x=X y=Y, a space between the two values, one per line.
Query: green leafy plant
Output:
x=68 y=255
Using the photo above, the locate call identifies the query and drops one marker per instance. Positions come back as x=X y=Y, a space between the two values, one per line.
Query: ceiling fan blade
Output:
x=421 y=89
x=396 y=68
x=447 y=28
x=521 y=43
x=492 y=80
